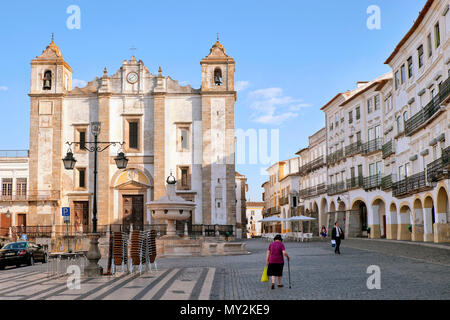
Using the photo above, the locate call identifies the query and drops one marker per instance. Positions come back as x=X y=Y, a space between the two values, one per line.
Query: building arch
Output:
x=404 y=221
x=441 y=233
x=377 y=218
x=323 y=212
x=357 y=219
x=392 y=222
x=355 y=201
x=442 y=206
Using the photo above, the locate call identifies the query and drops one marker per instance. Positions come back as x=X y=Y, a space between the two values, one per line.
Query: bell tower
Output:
x=51 y=78
x=218 y=167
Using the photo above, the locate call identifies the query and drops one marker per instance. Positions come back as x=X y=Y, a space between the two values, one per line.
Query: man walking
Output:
x=337 y=234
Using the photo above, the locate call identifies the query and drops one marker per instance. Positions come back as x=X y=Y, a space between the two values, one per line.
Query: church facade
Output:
x=166 y=129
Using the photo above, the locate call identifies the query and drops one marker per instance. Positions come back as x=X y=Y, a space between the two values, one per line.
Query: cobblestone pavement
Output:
x=408 y=271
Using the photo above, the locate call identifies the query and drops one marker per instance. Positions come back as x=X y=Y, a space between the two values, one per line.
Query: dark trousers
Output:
x=338 y=244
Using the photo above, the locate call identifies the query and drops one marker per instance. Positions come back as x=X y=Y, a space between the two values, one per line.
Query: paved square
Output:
x=408 y=271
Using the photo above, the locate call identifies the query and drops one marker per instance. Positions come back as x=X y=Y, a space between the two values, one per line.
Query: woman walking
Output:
x=275 y=260
x=323 y=232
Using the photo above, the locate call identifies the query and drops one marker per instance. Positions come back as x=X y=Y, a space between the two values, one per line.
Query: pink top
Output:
x=276 y=249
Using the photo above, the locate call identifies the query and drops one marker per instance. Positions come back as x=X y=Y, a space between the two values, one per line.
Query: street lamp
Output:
x=93 y=269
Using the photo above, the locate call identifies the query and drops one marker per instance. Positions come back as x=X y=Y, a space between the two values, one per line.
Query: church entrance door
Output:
x=133 y=212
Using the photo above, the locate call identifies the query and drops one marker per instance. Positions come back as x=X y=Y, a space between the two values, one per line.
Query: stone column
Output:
x=441 y=228
x=417 y=225
x=391 y=225
x=403 y=223
x=428 y=225
x=159 y=140
x=373 y=218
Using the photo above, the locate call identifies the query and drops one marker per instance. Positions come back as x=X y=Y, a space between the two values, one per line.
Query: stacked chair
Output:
x=151 y=249
x=119 y=250
x=138 y=249
x=142 y=250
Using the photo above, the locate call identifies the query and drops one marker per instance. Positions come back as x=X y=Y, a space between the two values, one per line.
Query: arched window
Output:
x=218 y=77
x=47 y=80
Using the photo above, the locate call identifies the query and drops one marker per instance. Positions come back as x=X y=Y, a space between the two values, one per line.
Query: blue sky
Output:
x=291 y=56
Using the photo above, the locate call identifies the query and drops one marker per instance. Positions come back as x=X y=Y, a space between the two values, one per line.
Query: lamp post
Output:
x=93 y=256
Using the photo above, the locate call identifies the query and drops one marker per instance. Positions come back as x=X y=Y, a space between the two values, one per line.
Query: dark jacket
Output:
x=333 y=233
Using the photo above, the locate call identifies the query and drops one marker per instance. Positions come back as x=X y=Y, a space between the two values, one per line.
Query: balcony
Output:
x=335 y=156
x=446 y=157
x=336 y=188
x=313 y=191
x=386 y=182
x=429 y=111
x=372 y=145
x=311 y=166
x=41 y=195
x=372 y=182
x=284 y=200
x=321 y=188
x=388 y=149
x=272 y=211
x=355 y=182
x=438 y=169
x=412 y=184
x=444 y=91
x=353 y=149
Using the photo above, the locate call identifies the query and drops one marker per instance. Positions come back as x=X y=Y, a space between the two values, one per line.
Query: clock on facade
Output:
x=132 y=77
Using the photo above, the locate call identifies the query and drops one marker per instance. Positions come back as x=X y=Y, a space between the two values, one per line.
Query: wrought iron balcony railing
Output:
x=313 y=191
x=386 y=182
x=274 y=210
x=388 y=149
x=355 y=182
x=311 y=166
x=444 y=90
x=321 y=188
x=372 y=145
x=353 y=149
x=446 y=157
x=409 y=185
x=336 y=188
x=434 y=106
x=438 y=170
x=284 y=200
x=373 y=181
x=335 y=156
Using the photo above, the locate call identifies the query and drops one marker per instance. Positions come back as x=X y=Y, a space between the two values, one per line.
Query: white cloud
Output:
x=79 y=83
x=271 y=106
x=3 y=88
x=242 y=85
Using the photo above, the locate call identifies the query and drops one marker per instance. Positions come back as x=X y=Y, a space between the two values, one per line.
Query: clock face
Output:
x=132 y=77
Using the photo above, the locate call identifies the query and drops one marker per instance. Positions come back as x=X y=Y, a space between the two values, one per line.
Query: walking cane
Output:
x=289 y=272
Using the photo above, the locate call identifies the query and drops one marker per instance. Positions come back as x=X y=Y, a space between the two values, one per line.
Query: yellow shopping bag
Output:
x=264 y=277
